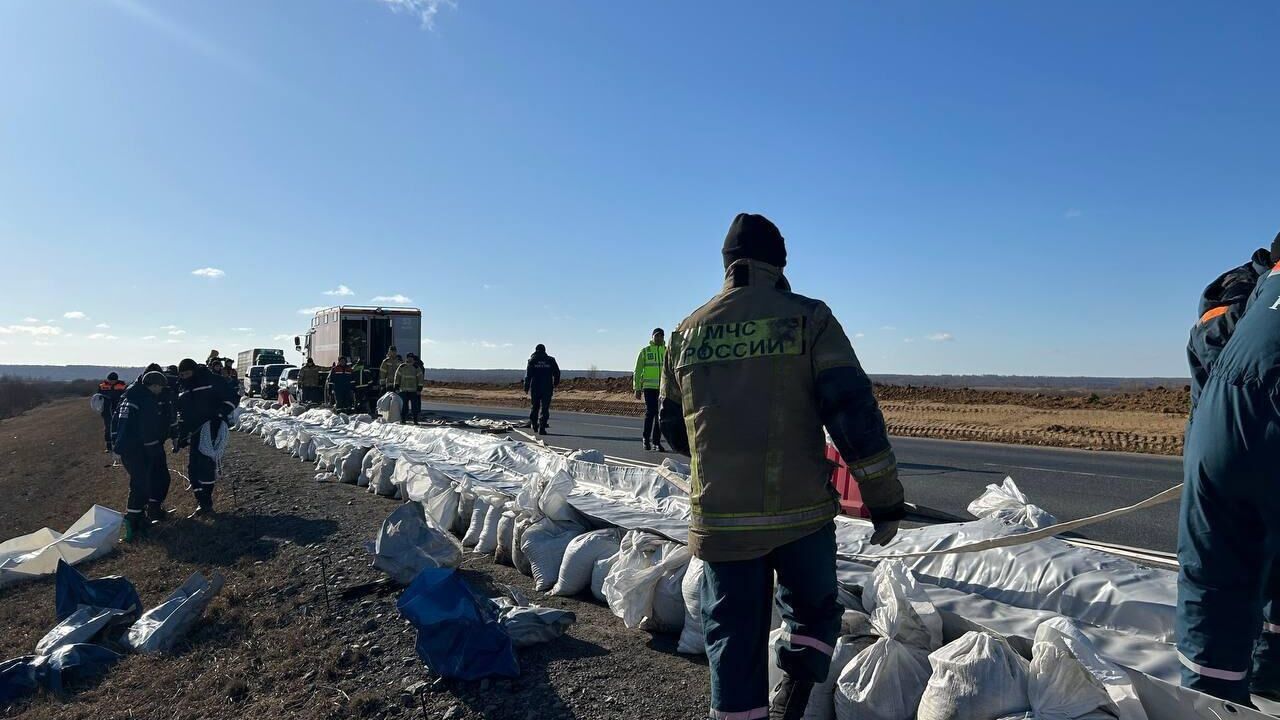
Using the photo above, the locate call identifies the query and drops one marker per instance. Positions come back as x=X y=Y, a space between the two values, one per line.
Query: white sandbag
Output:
x=599 y=574
x=580 y=559
x=975 y=676
x=350 y=462
x=441 y=503
x=327 y=457
x=885 y=681
x=488 y=540
x=1008 y=502
x=366 y=468
x=295 y=410
x=1070 y=681
x=506 y=530
x=380 y=475
x=692 y=641
x=161 y=627
x=476 y=524
x=518 y=558
x=466 y=508
x=668 y=601
x=98 y=402
x=591 y=456
x=548 y=497
x=822 y=697
x=544 y=544
x=389 y=407
x=35 y=554
x=643 y=559
x=917 y=620
x=408 y=543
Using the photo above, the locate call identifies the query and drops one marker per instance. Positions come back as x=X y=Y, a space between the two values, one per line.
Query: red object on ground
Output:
x=284 y=398
x=850 y=496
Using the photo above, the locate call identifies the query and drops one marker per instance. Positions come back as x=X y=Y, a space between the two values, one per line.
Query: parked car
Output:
x=289 y=381
x=271 y=379
x=252 y=381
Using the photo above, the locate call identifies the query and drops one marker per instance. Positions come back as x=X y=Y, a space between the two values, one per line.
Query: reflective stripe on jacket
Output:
x=408 y=378
x=648 y=374
x=387 y=370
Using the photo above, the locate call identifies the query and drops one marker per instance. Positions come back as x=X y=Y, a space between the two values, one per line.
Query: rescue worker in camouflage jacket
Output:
x=1228 y=620
x=750 y=380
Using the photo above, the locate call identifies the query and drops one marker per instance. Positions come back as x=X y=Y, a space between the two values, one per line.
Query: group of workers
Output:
x=357 y=387
x=188 y=405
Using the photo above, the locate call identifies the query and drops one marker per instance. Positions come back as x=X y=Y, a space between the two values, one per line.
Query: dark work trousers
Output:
x=737 y=609
x=148 y=477
x=652 y=433
x=410 y=405
x=342 y=399
x=540 y=410
x=1228 y=621
x=313 y=395
x=108 y=437
x=202 y=469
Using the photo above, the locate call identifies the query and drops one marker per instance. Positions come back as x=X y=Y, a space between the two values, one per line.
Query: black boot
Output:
x=135 y=526
x=789 y=699
x=647 y=446
x=156 y=512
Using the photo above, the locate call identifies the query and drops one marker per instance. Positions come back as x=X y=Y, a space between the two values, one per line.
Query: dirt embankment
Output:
x=1149 y=421
x=269 y=646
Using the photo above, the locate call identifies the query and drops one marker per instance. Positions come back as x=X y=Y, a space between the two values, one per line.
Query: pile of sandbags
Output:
x=643 y=586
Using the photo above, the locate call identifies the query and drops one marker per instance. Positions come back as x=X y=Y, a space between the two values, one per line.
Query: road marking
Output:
x=616 y=427
x=1067 y=472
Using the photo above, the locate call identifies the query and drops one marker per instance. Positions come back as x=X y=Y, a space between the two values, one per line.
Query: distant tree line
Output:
x=18 y=395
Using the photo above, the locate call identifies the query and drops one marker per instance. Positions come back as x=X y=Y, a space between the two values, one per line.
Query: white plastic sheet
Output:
x=79 y=627
x=408 y=543
x=630 y=588
x=161 y=627
x=37 y=554
x=389 y=407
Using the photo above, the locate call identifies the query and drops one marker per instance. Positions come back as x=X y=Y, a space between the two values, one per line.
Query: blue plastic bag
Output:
x=22 y=675
x=458 y=632
x=113 y=593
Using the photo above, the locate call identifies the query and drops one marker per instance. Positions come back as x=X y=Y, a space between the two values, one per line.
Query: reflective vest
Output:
x=648 y=374
x=387 y=371
x=408 y=378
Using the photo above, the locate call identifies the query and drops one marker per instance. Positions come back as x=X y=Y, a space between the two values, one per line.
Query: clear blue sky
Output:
x=1003 y=187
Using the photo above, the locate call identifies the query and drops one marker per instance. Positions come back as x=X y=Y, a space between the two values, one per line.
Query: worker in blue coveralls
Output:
x=141 y=429
x=1228 y=623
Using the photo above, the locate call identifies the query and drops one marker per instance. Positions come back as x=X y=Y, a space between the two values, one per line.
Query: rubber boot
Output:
x=156 y=512
x=789 y=699
x=135 y=527
x=647 y=445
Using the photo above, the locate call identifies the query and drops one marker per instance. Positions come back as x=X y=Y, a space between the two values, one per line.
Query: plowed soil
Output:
x=1149 y=421
x=270 y=645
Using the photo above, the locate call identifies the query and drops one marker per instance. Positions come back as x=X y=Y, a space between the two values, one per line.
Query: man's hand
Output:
x=884 y=532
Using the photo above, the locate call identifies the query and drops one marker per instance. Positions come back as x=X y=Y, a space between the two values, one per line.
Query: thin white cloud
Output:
x=102 y=336
x=243 y=330
x=425 y=10
x=908 y=340
x=281 y=337
x=103 y=326
x=30 y=320
x=942 y=337
x=189 y=39
x=148 y=337
x=177 y=332
x=311 y=310
x=208 y=272
x=32 y=330
x=171 y=341
x=889 y=328
x=341 y=290
x=859 y=335
x=397 y=299
x=491 y=345
x=41 y=343
x=428 y=341
x=168 y=327
x=602 y=331
x=1072 y=214
x=74 y=315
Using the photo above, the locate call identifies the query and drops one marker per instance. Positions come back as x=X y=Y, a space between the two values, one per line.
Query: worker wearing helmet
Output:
x=111 y=390
x=646 y=380
x=387 y=370
x=408 y=383
x=1228 y=620
x=750 y=380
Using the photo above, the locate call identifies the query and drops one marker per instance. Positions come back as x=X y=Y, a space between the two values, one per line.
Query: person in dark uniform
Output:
x=366 y=382
x=1228 y=616
x=1222 y=304
x=205 y=402
x=140 y=434
x=541 y=377
x=340 y=385
x=111 y=390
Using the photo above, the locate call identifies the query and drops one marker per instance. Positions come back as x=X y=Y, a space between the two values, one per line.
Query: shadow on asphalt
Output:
x=942 y=470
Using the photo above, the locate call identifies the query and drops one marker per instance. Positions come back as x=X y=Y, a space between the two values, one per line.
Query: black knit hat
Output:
x=113 y=377
x=754 y=237
x=187 y=365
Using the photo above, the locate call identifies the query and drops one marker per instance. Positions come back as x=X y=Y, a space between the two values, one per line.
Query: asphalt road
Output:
x=946 y=475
